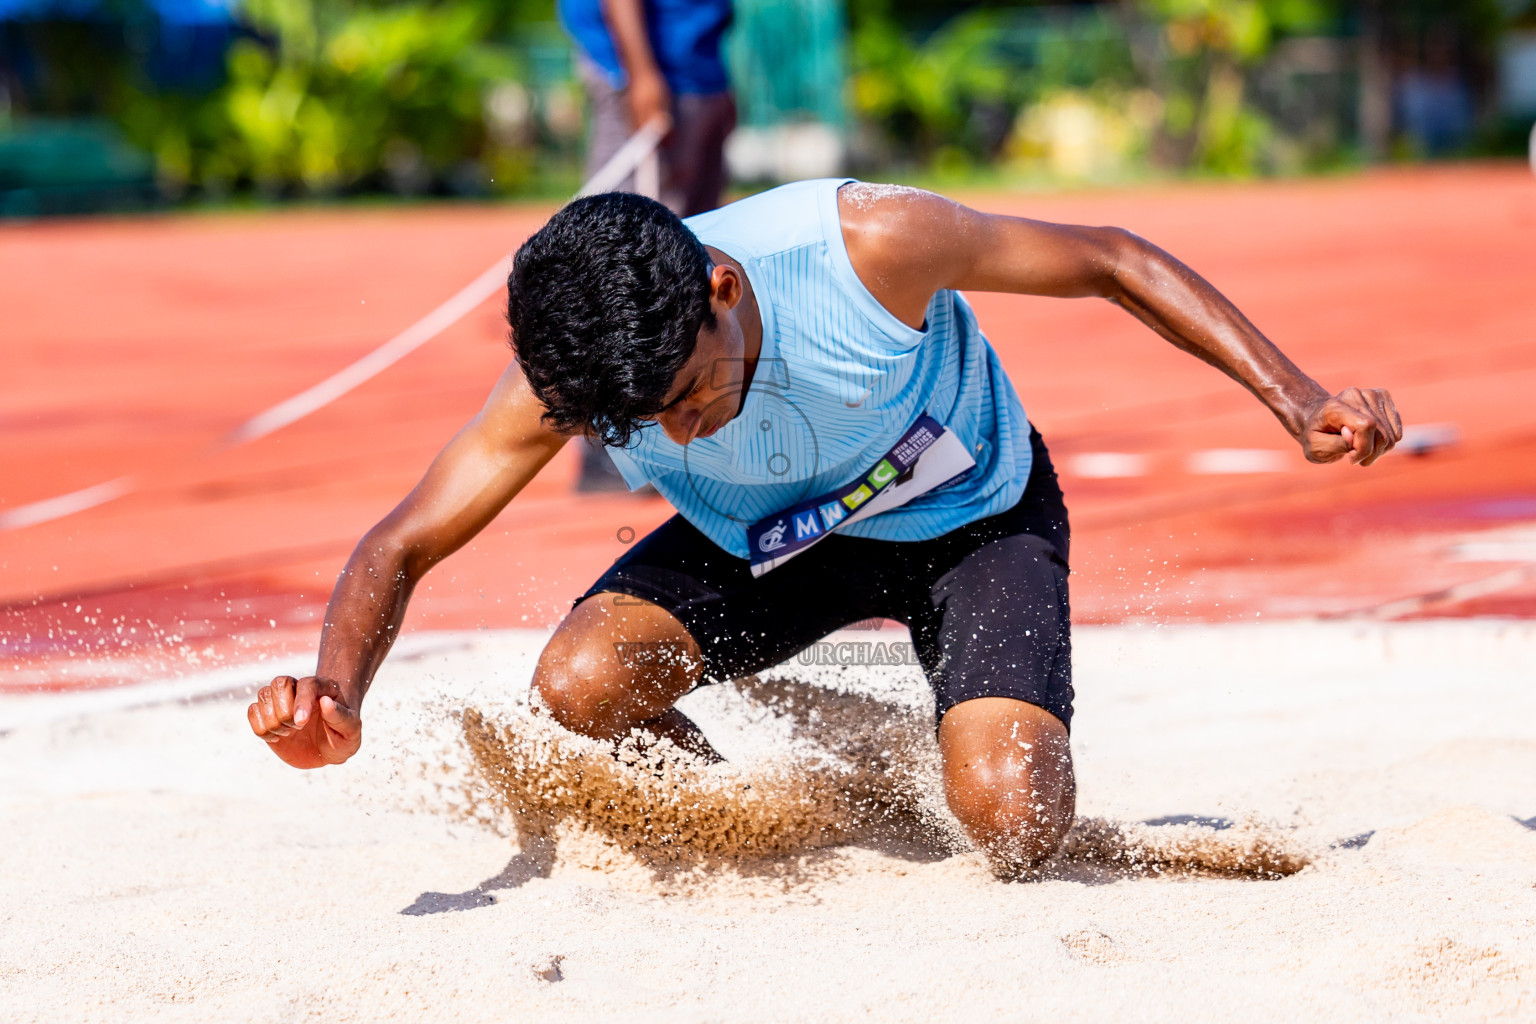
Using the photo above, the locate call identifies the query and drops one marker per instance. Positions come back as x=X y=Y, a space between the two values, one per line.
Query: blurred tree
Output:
x=1174 y=82
x=1194 y=54
x=317 y=96
x=953 y=96
x=928 y=93
x=1427 y=70
x=320 y=96
x=329 y=94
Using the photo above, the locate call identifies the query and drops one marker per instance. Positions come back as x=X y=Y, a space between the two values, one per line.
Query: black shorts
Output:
x=986 y=603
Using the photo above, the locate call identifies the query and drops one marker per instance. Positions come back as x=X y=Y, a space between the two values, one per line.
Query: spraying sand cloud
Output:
x=855 y=770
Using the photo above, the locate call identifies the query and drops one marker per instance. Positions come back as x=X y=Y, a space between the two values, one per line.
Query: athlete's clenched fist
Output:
x=1360 y=423
x=305 y=722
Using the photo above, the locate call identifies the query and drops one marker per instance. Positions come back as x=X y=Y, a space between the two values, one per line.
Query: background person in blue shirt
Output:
x=646 y=59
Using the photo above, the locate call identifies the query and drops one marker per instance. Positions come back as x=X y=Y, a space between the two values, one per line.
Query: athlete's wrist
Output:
x=347 y=682
x=1295 y=402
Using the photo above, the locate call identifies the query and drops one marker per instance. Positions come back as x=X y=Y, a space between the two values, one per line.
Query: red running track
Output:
x=131 y=346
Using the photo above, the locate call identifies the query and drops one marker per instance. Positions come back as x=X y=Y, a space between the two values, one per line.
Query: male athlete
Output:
x=800 y=376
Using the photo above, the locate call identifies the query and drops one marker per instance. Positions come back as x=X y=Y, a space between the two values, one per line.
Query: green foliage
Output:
x=1194 y=54
x=332 y=95
x=1171 y=85
x=327 y=96
x=934 y=84
x=1240 y=29
x=957 y=92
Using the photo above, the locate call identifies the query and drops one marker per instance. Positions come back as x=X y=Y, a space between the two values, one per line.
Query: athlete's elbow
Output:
x=385 y=553
x=1122 y=259
x=414 y=560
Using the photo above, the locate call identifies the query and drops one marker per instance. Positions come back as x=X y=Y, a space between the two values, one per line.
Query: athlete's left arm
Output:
x=906 y=244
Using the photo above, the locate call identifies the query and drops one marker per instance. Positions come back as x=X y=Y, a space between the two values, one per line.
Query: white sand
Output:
x=158 y=863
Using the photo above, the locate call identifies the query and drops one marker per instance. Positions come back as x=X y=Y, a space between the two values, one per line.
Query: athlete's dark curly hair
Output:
x=605 y=303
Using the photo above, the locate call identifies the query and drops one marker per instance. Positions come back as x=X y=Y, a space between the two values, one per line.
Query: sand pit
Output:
x=1293 y=822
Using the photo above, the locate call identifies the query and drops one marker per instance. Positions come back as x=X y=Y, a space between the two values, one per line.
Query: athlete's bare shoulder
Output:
x=904 y=243
x=882 y=222
x=860 y=197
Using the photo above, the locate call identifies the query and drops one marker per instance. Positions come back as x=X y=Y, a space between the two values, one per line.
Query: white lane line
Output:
x=64 y=505
x=625 y=159
x=628 y=157
x=1494 y=551
x=1224 y=461
x=1459 y=594
x=1423 y=438
x=1507 y=544
x=1108 y=465
x=371 y=365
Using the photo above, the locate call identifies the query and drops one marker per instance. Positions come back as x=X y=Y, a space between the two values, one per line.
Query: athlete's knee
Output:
x=573 y=678
x=1008 y=779
x=1017 y=829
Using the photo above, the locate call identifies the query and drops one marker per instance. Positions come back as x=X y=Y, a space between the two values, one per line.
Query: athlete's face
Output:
x=708 y=391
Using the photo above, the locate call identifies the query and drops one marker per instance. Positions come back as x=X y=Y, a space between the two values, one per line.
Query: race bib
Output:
x=926 y=457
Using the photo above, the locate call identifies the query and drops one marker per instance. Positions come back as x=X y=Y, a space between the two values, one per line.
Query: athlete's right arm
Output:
x=314 y=721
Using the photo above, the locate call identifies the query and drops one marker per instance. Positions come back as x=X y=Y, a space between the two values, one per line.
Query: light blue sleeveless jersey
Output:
x=838 y=380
